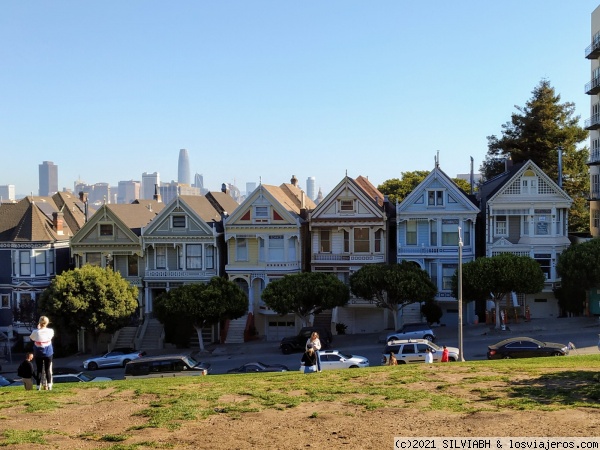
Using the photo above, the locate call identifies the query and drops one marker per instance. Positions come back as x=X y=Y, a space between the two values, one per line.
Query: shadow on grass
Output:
x=570 y=388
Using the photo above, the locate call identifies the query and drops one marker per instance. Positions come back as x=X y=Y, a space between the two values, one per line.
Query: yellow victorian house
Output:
x=265 y=240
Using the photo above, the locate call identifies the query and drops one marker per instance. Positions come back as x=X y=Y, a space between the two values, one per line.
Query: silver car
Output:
x=116 y=358
x=334 y=359
x=408 y=351
x=418 y=330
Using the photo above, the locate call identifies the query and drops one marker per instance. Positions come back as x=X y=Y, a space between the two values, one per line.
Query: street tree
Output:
x=497 y=277
x=397 y=189
x=200 y=305
x=91 y=297
x=393 y=286
x=305 y=294
x=536 y=132
x=579 y=271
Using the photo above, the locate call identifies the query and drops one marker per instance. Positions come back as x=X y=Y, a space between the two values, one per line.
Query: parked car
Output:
x=6 y=382
x=298 y=343
x=115 y=358
x=334 y=359
x=80 y=377
x=408 y=351
x=258 y=366
x=525 y=347
x=165 y=366
x=418 y=330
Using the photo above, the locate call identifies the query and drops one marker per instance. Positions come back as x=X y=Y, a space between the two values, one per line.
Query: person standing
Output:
x=309 y=359
x=43 y=351
x=316 y=344
x=445 y=354
x=428 y=356
x=25 y=371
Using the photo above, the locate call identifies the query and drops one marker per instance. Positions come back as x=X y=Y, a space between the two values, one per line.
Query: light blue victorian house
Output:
x=431 y=220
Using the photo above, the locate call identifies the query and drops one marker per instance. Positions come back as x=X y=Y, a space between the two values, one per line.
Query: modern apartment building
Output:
x=48 y=179
x=592 y=52
x=128 y=191
x=149 y=183
x=7 y=192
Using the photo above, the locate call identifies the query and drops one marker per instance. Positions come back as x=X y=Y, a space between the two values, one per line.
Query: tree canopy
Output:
x=579 y=271
x=397 y=189
x=497 y=277
x=393 y=286
x=96 y=298
x=305 y=294
x=535 y=132
x=200 y=305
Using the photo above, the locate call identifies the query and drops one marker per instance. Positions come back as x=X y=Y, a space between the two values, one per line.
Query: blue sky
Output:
x=263 y=90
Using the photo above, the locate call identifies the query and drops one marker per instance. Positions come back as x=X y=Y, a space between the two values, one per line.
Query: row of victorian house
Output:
x=278 y=230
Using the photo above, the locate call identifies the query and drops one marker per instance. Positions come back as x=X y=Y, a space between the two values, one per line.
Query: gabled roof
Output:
x=133 y=215
x=152 y=205
x=222 y=202
x=30 y=220
x=371 y=190
x=437 y=175
x=196 y=207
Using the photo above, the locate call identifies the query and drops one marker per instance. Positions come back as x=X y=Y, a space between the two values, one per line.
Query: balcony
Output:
x=594 y=195
x=163 y=274
x=593 y=87
x=593 y=123
x=593 y=50
x=345 y=257
x=415 y=250
x=594 y=158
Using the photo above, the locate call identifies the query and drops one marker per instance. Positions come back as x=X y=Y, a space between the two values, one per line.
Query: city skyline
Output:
x=261 y=91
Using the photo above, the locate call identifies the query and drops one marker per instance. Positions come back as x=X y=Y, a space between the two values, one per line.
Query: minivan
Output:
x=165 y=366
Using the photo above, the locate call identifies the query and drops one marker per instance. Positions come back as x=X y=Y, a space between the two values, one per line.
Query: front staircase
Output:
x=153 y=336
x=235 y=332
x=125 y=338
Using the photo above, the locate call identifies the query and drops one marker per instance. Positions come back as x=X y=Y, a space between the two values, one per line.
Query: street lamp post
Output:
x=460 y=302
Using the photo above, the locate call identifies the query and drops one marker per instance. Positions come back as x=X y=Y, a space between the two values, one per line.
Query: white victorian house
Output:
x=431 y=222
x=526 y=213
x=348 y=229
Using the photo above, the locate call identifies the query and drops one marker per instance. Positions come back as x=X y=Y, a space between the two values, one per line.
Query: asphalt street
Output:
x=583 y=332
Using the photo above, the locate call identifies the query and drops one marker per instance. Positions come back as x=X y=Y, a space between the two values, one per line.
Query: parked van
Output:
x=165 y=366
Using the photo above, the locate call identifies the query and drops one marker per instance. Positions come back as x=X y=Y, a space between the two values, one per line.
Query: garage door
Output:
x=278 y=329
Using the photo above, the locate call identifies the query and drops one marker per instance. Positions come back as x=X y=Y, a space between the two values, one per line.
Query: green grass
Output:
x=529 y=384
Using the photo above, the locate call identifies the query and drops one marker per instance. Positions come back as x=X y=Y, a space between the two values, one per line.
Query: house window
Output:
x=132 y=266
x=25 y=263
x=261 y=212
x=106 y=229
x=40 y=263
x=4 y=301
x=261 y=249
x=541 y=224
x=346 y=241
x=433 y=268
x=293 y=243
x=433 y=241
x=595 y=185
x=161 y=257
x=435 y=198
x=209 y=257
x=51 y=262
x=347 y=205
x=361 y=240
x=596 y=218
x=466 y=233
x=378 y=241
x=411 y=232
x=450 y=232
x=94 y=259
x=178 y=221
x=448 y=271
x=241 y=249
x=501 y=229
x=276 y=250
x=193 y=257
x=545 y=262
x=325 y=239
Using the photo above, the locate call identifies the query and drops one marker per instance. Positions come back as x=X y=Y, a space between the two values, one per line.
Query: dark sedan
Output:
x=524 y=347
x=257 y=366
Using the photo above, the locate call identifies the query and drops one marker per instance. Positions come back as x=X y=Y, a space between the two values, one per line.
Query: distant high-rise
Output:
x=250 y=186
x=128 y=191
x=149 y=181
x=48 y=179
x=183 y=172
x=310 y=187
x=198 y=181
x=7 y=192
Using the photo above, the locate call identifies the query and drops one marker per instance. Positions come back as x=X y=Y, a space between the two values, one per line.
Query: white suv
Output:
x=408 y=351
x=334 y=359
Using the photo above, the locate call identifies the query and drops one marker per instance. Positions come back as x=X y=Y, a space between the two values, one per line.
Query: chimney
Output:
x=294 y=181
x=560 y=169
x=224 y=188
x=84 y=199
x=157 y=196
x=302 y=200
x=508 y=163
x=57 y=222
x=471 y=177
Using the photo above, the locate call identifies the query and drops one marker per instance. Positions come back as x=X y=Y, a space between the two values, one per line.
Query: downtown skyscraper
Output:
x=183 y=168
x=48 y=179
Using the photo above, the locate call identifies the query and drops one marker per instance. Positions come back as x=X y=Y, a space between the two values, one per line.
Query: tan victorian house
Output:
x=265 y=236
x=348 y=229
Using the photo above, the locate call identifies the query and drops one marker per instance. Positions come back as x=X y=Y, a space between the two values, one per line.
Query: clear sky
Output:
x=263 y=90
